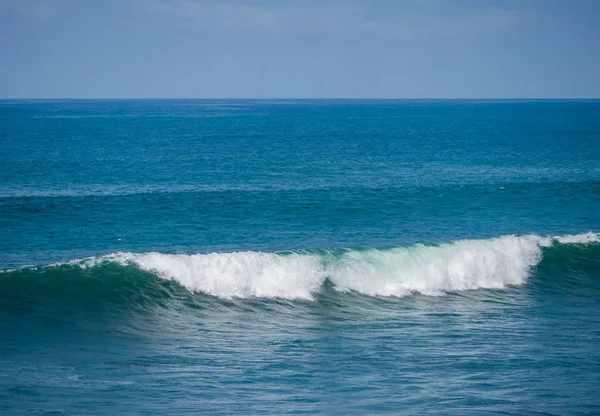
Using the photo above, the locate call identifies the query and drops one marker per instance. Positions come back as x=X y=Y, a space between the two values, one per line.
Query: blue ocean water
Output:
x=299 y=257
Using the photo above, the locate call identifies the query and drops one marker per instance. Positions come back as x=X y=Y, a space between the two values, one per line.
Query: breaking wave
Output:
x=395 y=272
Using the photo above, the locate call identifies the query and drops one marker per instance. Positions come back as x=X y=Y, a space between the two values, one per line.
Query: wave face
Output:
x=396 y=272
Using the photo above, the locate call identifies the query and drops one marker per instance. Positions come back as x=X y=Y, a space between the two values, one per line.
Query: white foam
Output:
x=434 y=270
x=240 y=275
x=586 y=238
x=431 y=270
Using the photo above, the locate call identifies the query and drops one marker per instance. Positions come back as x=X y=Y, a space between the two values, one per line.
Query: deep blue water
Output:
x=299 y=257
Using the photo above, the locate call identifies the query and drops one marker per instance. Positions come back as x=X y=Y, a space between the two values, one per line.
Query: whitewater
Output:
x=431 y=270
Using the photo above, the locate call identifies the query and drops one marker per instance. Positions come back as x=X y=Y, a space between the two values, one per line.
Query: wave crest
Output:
x=237 y=275
x=427 y=269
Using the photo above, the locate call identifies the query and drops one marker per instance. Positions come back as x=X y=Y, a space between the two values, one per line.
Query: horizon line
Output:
x=303 y=98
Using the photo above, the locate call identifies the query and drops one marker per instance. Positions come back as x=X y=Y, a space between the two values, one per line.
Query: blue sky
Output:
x=299 y=48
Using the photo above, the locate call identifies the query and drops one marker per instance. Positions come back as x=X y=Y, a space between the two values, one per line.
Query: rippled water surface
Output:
x=299 y=257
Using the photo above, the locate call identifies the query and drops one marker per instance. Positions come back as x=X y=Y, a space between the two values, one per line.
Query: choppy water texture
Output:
x=300 y=257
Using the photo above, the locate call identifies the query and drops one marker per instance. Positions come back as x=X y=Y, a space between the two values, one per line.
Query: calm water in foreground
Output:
x=300 y=257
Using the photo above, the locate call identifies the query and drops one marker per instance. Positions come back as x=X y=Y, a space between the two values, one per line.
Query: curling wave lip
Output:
x=427 y=269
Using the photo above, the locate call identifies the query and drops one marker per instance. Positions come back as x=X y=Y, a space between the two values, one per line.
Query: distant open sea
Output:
x=299 y=257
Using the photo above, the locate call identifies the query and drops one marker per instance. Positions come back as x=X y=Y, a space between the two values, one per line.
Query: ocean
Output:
x=300 y=257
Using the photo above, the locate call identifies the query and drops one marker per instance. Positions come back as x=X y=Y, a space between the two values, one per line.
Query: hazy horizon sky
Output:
x=299 y=49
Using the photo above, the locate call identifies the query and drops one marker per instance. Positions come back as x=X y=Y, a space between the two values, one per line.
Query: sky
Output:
x=299 y=48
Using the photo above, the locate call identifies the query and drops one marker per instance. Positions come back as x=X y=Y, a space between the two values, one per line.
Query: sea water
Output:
x=299 y=257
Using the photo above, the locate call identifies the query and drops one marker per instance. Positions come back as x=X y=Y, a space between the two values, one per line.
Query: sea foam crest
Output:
x=430 y=270
x=241 y=275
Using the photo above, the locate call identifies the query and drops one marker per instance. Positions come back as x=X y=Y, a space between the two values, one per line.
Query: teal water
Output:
x=299 y=257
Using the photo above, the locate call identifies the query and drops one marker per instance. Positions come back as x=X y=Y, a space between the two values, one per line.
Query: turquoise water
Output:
x=299 y=257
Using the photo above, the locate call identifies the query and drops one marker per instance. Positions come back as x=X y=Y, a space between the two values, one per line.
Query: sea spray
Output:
x=426 y=269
